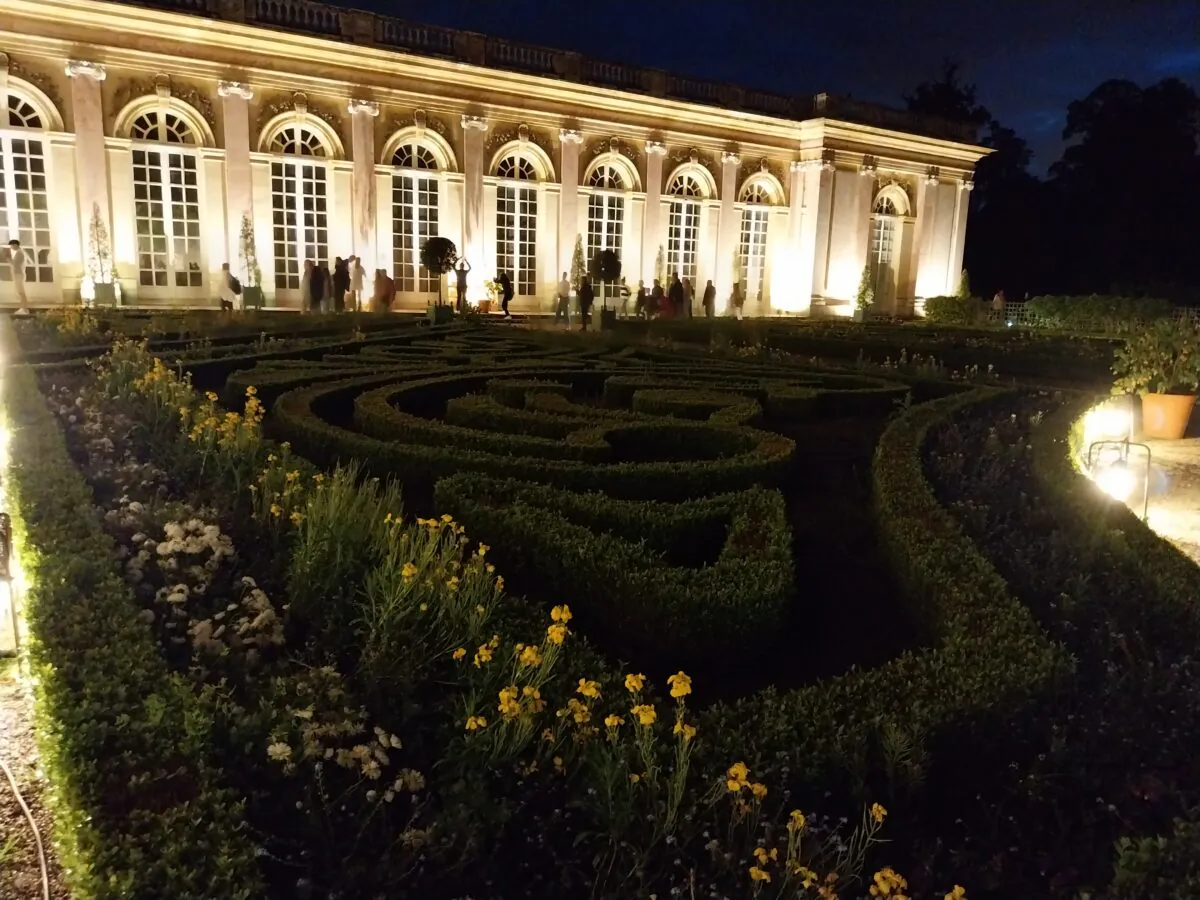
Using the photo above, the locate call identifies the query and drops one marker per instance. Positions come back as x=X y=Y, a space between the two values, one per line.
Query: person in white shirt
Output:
x=357 y=276
x=230 y=299
x=16 y=262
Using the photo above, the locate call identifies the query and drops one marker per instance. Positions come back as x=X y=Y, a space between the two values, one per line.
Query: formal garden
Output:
x=360 y=606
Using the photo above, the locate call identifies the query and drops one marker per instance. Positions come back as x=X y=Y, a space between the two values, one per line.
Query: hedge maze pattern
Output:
x=640 y=486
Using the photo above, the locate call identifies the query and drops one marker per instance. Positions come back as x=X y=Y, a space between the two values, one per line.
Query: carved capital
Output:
x=78 y=68
x=729 y=158
x=477 y=123
x=968 y=182
x=798 y=165
x=656 y=148
x=570 y=136
x=235 y=89
x=364 y=107
x=868 y=167
x=933 y=175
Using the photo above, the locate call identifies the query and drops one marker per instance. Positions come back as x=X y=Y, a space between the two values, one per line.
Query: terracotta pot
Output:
x=1166 y=415
x=485 y=306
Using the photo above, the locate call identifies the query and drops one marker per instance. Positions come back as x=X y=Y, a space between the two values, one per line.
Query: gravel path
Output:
x=1175 y=498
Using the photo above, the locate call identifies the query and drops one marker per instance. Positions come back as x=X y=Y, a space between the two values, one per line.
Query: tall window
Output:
x=24 y=204
x=299 y=204
x=752 y=248
x=166 y=202
x=683 y=227
x=516 y=224
x=606 y=211
x=883 y=239
x=414 y=216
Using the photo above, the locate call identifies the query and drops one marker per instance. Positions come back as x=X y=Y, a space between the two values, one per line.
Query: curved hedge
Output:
x=139 y=810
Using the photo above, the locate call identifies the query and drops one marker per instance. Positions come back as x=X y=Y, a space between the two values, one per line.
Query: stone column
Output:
x=568 y=209
x=91 y=163
x=651 y=228
x=814 y=227
x=958 y=235
x=866 y=197
x=787 y=296
x=728 y=227
x=362 y=149
x=930 y=277
x=472 y=248
x=239 y=192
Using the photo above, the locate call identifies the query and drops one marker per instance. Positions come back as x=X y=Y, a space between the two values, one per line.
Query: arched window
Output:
x=414 y=215
x=24 y=202
x=752 y=245
x=885 y=223
x=166 y=201
x=516 y=223
x=299 y=202
x=606 y=209
x=683 y=226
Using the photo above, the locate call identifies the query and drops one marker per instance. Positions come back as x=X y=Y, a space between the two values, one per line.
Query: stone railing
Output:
x=323 y=20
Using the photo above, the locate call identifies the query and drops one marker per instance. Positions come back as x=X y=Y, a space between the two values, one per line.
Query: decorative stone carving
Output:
x=656 y=148
x=695 y=157
x=362 y=107
x=37 y=79
x=298 y=103
x=419 y=119
x=600 y=146
x=968 y=182
x=522 y=133
x=79 y=68
x=570 y=136
x=868 y=167
x=762 y=167
x=905 y=184
x=235 y=89
x=730 y=158
x=163 y=87
x=474 y=122
x=933 y=175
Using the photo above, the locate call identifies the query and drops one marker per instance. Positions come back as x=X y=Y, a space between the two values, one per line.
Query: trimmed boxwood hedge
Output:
x=608 y=556
x=138 y=809
x=987 y=657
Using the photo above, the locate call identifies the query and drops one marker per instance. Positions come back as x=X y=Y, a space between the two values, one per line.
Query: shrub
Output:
x=1096 y=313
x=1158 y=868
x=1163 y=358
x=139 y=810
x=964 y=311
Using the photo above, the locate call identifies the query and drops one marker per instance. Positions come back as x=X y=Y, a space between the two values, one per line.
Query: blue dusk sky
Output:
x=1028 y=58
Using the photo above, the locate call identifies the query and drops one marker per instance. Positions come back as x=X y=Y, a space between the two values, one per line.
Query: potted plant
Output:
x=438 y=256
x=865 y=296
x=252 y=292
x=605 y=269
x=1162 y=363
x=491 y=288
x=578 y=266
x=99 y=286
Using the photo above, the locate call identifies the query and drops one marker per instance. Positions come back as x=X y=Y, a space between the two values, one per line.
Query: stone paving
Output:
x=1175 y=493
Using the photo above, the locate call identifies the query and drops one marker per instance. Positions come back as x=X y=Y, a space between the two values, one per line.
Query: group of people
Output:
x=677 y=300
x=324 y=291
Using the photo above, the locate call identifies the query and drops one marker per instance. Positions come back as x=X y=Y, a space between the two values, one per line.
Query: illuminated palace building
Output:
x=157 y=144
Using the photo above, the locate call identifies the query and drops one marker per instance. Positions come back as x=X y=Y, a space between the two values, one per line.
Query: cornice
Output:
x=79 y=28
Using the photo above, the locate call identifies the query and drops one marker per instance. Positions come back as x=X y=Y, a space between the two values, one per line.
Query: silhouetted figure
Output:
x=587 y=296
x=710 y=300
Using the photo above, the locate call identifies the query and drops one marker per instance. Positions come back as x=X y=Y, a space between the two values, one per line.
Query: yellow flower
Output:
x=482 y=655
x=645 y=714
x=509 y=706
x=251 y=390
x=612 y=721
x=758 y=790
x=459 y=653
x=211 y=396
x=579 y=711
x=688 y=731
x=796 y=821
x=681 y=685
x=734 y=786
x=409 y=570
x=448 y=519
x=297 y=517
x=889 y=884
x=275 y=510
x=561 y=614
x=318 y=478
x=764 y=856
x=878 y=813
x=589 y=689
x=757 y=874
x=474 y=723
x=530 y=656
x=634 y=683
x=739 y=773
x=959 y=893
x=634 y=777
x=483 y=549
x=556 y=634
x=806 y=875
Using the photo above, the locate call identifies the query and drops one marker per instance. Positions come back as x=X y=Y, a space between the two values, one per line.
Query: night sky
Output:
x=1028 y=58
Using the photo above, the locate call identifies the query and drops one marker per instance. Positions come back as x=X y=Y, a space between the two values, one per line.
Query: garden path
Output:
x=1175 y=498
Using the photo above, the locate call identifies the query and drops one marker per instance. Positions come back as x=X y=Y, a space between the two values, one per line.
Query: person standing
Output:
x=231 y=291
x=321 y=289
x=625 y=295
x=306 y=288
x=658 y=301
x=689 y=297
x=675 y=295
x=16 y=264
x=562 y=309
x=358 y=275
x=587 y=296
x=710 y=300
x=460 y=276
x=341 y=284
x=639 y=304
x=506 y=293
x=737 y=301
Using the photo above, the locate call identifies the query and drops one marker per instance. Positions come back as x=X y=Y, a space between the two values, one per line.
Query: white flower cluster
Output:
x=248 y=626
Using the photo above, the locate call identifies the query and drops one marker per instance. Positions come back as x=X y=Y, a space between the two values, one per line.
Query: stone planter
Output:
x=1166 y=415
x=485 y=306
x=104 y=295
x=440 y=314
x=860 y=314
x=252 y=297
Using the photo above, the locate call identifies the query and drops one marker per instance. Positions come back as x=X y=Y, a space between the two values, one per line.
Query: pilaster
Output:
x=651 y=220
x=239 y=191
x=815 y=222
x=362 y=147
x=568 y=209
x=958 y=234
x=474 y=128
x=727 y=230
x=91 y=163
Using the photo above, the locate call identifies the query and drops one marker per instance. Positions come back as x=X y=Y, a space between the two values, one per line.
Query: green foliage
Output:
x=578 y=263
x=139 y=810
x=962 y=311
x=248 y=254
x=1096 y=313
x=1158 y=868
x=964 y=286
x=1163 y=358
x=605 y=266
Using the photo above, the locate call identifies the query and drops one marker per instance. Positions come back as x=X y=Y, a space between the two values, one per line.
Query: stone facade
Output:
x=157 y=136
